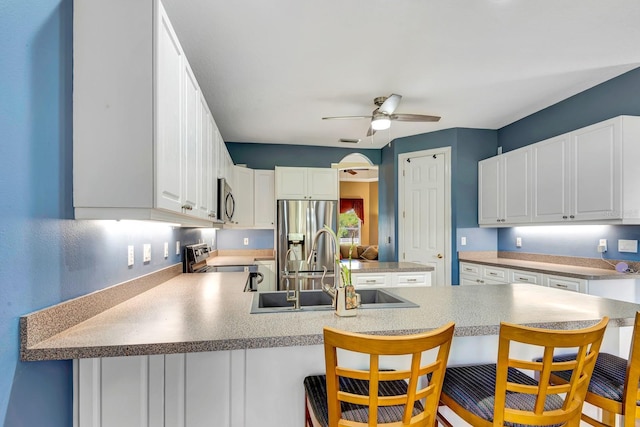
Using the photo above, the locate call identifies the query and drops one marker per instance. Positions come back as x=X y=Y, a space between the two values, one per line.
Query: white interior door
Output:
x=424 y=225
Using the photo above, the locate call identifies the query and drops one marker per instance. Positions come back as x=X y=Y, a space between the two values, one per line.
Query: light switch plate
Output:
x=463 y=241
x=518 y=242
x=628 y=246
x=146 y=252
x=130 y=258
x=178 y=247
x=166 y=249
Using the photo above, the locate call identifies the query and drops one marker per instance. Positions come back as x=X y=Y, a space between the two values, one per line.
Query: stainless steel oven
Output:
x=195 y=261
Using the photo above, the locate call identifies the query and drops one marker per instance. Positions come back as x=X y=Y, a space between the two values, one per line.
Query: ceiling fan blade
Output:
x=371 y=131
x=390 y=104
x=414 y=118
x=346 y=117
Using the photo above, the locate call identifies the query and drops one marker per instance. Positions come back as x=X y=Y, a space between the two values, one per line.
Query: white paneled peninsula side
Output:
x=186 y=350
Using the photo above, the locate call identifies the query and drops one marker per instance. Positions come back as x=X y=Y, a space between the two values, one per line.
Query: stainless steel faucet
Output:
x=336 y=268
x=295 y=296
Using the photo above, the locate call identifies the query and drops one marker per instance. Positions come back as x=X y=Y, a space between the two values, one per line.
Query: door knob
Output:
x=439 y=256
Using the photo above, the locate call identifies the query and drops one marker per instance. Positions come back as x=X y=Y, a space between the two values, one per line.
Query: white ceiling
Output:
x=270 y=70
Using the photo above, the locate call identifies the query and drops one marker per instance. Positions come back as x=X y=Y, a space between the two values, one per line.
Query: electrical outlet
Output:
x=518 y=242
x=178 y=247
x=130 y=255
x=246 y=241
x=146 y=252
x=166 y=249
x=463 y=241
x=602 y=245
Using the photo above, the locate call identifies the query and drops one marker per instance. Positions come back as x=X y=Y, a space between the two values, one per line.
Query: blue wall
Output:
x=612 y=98
x=267 y=156
x=46 y=256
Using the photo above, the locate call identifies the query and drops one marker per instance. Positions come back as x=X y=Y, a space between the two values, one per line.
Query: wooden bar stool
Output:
x=614 y=384
x=372 y=396
x=502 y=395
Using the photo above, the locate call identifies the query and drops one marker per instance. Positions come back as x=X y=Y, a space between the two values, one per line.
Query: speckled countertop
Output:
x=209 y=312
x=589 y=270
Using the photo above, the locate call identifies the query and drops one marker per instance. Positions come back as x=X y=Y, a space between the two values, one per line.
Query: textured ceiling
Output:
x=270 y=70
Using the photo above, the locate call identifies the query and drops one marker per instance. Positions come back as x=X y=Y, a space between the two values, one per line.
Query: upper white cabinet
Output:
x=243 y=193
x=264 y=207
x=585 y=176
x=504 y=184
x=138 y=127
x=306 y=183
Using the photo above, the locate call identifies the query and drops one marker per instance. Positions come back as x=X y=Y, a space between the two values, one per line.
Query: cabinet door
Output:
x=552 y=180
x=212 y=180
x=268 y=270
x=516 y=185
x=371 y=280
x=169 y=167
x=597 y=171
x=191 y=111
x=322 y=184
x=243 y=194
x=518 y=276
x=489 y=200
x=291 y=183
x=566 y=283
x=203 y=206
x=265 y=200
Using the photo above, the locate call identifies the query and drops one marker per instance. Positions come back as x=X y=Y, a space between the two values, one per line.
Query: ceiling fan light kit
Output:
x=380 y=122
x=384 y=113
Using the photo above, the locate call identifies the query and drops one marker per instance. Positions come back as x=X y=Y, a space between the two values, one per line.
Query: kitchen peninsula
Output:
x=188 y=350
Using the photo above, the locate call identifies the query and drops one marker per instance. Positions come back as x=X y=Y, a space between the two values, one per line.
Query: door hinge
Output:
x=402 y=172
x=402 y=214
x=404 y=256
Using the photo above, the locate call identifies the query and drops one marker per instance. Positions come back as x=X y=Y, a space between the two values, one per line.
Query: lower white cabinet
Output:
x=566 y=283
x=370 y=280
x=268 y=270
x=618 y=289
x=519 y=276
x=391 y=279
x=476 y=274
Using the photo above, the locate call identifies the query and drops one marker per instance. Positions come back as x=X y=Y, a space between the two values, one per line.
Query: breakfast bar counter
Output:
x=188 y=348
x=209 y=312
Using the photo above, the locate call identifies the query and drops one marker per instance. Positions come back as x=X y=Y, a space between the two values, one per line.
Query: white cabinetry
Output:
x=370 y=280
x=578 y=176
x=207 y=160
x=391 y=279
x=264 y=208
x=268 y=270
x=306 y=183
x=243 y=194
x=585 y=176
x=136 y=117
x=476 y=274
x=504 y=184
x=566 y=283
x=519 y=276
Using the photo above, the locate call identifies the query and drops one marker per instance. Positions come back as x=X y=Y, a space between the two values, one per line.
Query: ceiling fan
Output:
x=385 y=112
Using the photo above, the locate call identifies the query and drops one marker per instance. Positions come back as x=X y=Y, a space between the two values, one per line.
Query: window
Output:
x=349 y=228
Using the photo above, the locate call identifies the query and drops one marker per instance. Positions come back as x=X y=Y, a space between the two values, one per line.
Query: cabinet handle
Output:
x=560 y=285
x=524 y=279
x=498 y=219
x=468 y=269
x=370 y=281
x=493 y=273
x=412 y=280
x=502 y=220
x=572 y=216
x=564 y=217
x=187 y=207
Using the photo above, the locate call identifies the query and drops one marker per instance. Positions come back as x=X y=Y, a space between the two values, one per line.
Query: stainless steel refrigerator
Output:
x=297 y=223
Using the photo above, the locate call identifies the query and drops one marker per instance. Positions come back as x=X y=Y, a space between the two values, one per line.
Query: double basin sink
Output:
x=276 y=302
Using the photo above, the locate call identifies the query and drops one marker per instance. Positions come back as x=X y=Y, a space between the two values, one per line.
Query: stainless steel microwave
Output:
x=226 y=202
